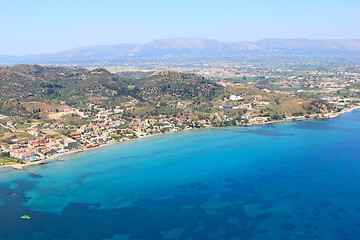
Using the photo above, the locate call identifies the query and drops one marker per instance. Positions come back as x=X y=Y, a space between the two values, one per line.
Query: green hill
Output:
x=159 y=93
x=35 y=83
x=175 y=86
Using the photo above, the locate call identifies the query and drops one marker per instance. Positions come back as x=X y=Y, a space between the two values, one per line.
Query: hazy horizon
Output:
x=98 y=45
x=40 y=27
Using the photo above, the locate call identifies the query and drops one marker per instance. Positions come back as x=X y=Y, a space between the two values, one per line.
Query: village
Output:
x=107 y=126
x=49 y=140
x=254 y=94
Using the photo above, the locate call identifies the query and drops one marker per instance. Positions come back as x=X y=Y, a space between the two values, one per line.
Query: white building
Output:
x=23 y=153
x=235 y=98
x=35 y=133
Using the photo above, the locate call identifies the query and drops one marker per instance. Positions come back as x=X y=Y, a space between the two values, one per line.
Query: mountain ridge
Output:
x=193 y=48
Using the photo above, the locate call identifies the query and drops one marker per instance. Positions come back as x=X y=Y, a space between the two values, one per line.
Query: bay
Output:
x=293 y=180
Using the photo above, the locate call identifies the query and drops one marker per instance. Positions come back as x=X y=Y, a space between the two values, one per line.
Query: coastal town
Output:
x=67 y=110
x=34 y=142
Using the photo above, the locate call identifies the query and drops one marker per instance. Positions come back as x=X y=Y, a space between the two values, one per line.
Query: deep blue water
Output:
x=295 y=180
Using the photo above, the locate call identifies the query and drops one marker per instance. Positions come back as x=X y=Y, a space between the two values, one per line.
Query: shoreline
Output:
x=19 y=166
x=52 y=158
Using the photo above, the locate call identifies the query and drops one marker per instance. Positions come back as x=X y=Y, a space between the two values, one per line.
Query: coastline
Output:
x=55 y=157
x=302 y=118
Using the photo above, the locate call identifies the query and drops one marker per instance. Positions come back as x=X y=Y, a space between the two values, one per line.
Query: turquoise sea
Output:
x=294 y=180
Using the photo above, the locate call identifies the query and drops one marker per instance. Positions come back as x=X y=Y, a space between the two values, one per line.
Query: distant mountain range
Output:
x=194 y=48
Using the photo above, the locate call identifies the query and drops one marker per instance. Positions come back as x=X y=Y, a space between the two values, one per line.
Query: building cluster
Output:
x=101 y=130
x=43 y=145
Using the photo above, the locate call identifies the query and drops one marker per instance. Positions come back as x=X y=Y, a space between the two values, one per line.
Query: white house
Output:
x=235 y=98
x=23 y=153
x=35 y=133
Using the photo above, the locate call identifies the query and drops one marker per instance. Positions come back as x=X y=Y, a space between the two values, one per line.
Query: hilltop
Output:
x=176 y=86
x=73 y=86
x=35 y=83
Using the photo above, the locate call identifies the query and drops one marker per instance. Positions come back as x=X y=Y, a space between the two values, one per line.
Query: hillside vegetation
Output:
x=171 y=86
x=24 y=87
x=32 y=83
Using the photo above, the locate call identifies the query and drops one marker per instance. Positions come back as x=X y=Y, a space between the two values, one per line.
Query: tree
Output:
x=5 y=154
x=8 y=141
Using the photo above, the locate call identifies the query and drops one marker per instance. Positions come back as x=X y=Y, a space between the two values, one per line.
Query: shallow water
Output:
x=295 y=180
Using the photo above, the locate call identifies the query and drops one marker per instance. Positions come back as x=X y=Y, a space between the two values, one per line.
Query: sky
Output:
x=49 y=26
